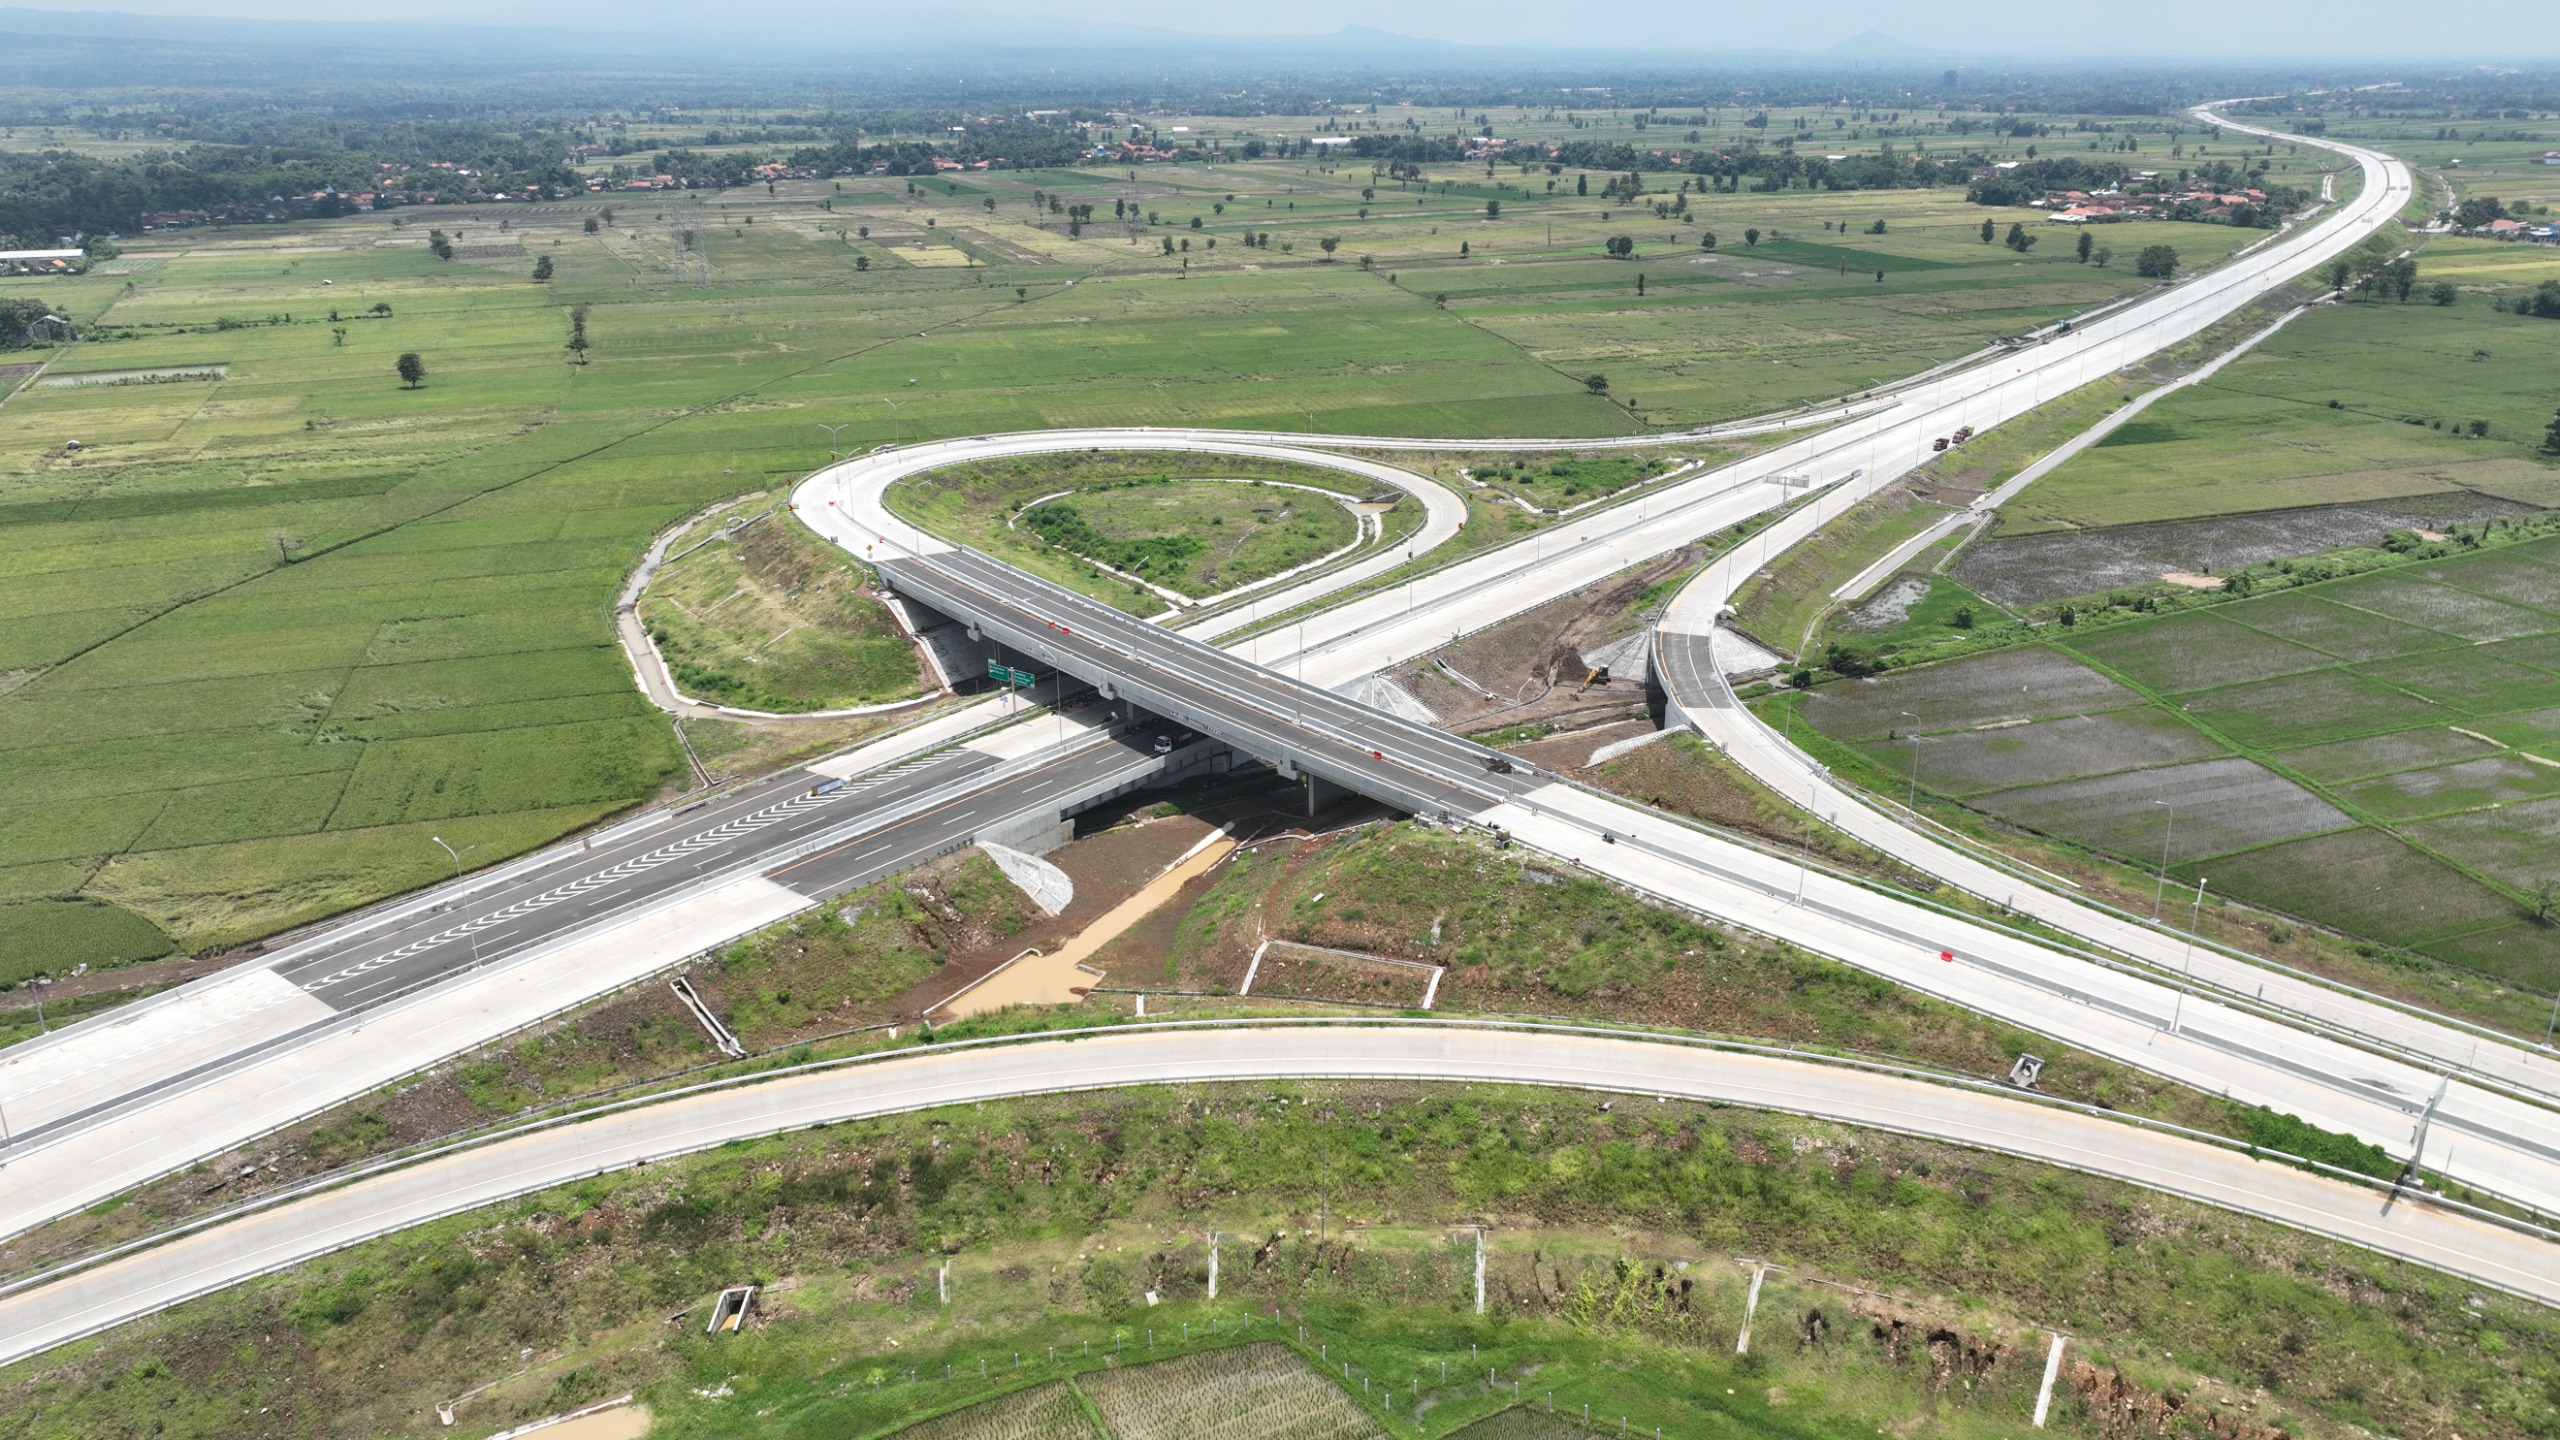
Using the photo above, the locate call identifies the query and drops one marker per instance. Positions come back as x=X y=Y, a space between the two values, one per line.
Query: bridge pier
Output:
x=1322 y=793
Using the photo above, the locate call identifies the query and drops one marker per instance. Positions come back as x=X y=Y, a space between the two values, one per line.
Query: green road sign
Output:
x=998 y=670
x=1024 y=677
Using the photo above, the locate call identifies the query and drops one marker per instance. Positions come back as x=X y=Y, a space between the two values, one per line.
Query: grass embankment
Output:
x=774 y=618
x=1609 y=1281
x=1780 y=605
x=1162 y=517
x=1521 y=937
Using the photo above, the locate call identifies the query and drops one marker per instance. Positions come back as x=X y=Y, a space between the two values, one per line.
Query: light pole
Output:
x=893 y=419
x=2186 y=964
x=2162 y=888
x=831 y=438
x=453 y=854
x=1914 y=806
x=472 y=935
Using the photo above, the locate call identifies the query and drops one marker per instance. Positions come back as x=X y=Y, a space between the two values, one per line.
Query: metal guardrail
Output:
x=363 y=1170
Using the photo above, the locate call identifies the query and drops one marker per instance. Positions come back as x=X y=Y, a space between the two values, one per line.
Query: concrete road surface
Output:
x=35 y=1319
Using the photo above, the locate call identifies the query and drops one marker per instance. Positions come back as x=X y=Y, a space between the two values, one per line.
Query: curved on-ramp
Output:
x=46 y=1315
x=1702 y=698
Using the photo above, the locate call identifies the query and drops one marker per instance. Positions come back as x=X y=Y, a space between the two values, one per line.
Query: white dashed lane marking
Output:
x=691 y=845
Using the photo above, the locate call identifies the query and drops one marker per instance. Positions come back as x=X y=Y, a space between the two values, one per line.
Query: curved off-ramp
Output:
x=42 y=1316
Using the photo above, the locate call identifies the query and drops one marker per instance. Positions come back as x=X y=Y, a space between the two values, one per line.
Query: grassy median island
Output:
x=770 y=617
x=1610 y=1280
x=1124 y=526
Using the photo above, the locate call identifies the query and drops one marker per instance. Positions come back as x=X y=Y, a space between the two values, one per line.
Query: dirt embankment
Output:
x=1530 y=670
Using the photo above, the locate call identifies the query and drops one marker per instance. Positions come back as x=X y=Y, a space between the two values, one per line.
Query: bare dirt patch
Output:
x=1534 y=665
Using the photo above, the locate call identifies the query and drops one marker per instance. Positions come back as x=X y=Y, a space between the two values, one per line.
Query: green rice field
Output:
x=2379 y=753
x=279 y=620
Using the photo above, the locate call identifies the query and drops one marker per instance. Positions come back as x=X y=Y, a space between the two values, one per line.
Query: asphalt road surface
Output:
x=37 y=1318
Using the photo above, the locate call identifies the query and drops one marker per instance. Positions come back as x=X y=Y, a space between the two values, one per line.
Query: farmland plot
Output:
x=2406 y=597
x=2344 y=760
x=2196 y=651
x=1968 y=762
x=2341 y=630
x=1255 y=1392
x=2218 y=805
x=2017 y=684
x=1043 y=1412
x=2492 y=780
x=2370 y=882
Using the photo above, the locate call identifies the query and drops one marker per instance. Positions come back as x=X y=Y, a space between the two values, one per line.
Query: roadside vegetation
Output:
x=770 y=617
x=1126 y=527
x=1916 y=1286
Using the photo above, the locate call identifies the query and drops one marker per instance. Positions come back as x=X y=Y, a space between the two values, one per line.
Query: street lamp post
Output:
x=472 y=935
x=2187 y=963
x=2162 y=888
x=1914 y=806
x=894 y=418
x=831 y=430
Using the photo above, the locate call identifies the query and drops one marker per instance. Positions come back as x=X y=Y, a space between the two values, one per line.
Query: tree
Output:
x=542 y=268
x=2337 y=272
x=1876 y=229
x=1595 y=383
x=439 y=246
x=2087 y=241
x=2551 y=437
x=2545 y=895
x=1639 y=284
x=1707 y=241
x=1465 y=249
x=413 y=371
x=861 y=262
x=2443 y=293
x=1620 y=247
x=591 y=226
x=2102 y=256
x=1751 y=237
x=2019 y=240
x=1493 y=209
x=2400 y=277
x=1328 y=245
x=578 y=334
x=1581 y=184
x=1989 y=231
x=2156 y=262
x=2477 y=211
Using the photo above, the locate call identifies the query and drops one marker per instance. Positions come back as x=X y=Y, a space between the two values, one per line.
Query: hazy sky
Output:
x=2220 y=30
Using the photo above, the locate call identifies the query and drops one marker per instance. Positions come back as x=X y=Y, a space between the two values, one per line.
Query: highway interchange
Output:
x=195 y=1071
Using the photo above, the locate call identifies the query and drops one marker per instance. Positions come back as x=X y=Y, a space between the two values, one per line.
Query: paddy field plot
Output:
x=1042 y=1412
x=1254 y=1392
x=2375 y=753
